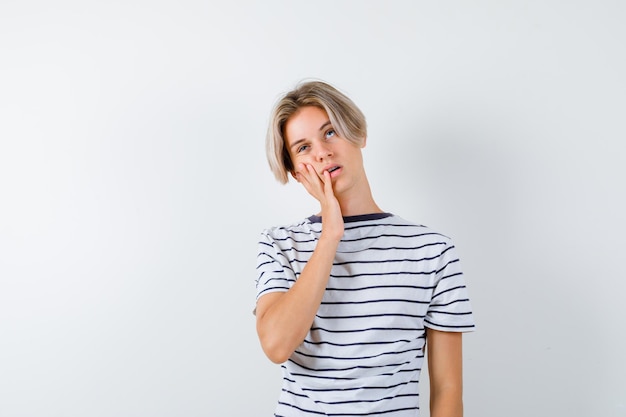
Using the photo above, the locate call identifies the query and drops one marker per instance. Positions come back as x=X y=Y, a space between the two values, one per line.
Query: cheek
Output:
x=297 y=160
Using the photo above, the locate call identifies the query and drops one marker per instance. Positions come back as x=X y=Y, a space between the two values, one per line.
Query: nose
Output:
x=323 y=151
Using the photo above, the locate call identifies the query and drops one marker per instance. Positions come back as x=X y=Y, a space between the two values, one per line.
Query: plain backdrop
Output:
x=134 y=186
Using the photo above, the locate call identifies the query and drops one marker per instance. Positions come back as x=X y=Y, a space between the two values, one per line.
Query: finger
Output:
x=314 y=177
x=312 y=171
x=302 y=173
x=311 y=181
x=328 y=184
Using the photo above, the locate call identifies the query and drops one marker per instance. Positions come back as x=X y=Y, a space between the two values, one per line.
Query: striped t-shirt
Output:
x=363 y=355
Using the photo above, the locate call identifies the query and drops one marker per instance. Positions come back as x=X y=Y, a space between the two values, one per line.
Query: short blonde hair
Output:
x=344 y=115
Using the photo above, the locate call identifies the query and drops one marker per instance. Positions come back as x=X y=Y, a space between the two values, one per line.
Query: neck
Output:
x=351 y=210
x=358 y=201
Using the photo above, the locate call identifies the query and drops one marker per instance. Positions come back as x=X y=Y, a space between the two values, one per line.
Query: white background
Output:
x=133 y=188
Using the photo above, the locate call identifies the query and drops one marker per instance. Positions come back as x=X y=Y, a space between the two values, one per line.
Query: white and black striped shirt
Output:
x=363 y=355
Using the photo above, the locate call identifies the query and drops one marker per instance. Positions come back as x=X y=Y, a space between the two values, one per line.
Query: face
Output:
x=311 y=139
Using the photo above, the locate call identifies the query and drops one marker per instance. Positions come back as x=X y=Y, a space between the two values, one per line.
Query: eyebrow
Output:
x=322 y=127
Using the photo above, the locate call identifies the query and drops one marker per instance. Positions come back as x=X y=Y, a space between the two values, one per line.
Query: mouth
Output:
x=334 y=170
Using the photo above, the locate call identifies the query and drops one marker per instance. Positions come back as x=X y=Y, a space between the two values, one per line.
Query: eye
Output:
x=302 y=148
x=330 y=133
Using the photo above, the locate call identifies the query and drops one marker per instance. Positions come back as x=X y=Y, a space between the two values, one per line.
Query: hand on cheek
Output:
x=321 y=188
x=310 y=179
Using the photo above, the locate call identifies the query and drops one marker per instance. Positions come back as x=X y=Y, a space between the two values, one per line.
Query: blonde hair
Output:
x=345 y=116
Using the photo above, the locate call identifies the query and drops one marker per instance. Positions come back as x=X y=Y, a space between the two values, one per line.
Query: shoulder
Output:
x=417 y=228
x=426 y=242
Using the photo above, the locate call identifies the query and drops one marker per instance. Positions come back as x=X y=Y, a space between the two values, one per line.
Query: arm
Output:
x=284 y=319
x=445 y=363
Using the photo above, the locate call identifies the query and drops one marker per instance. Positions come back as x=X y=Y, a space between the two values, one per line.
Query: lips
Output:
x=333 y=170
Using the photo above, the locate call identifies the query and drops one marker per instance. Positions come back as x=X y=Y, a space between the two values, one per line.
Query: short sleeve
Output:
x=273 y=271
x=450 y=309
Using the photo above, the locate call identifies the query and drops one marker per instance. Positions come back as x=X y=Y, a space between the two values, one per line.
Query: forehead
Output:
x=305 y=123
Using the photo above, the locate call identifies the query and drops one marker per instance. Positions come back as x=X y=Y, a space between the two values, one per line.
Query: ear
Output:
x=364 y=142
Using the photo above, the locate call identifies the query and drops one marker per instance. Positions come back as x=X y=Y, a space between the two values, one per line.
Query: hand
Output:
x=321 y=188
